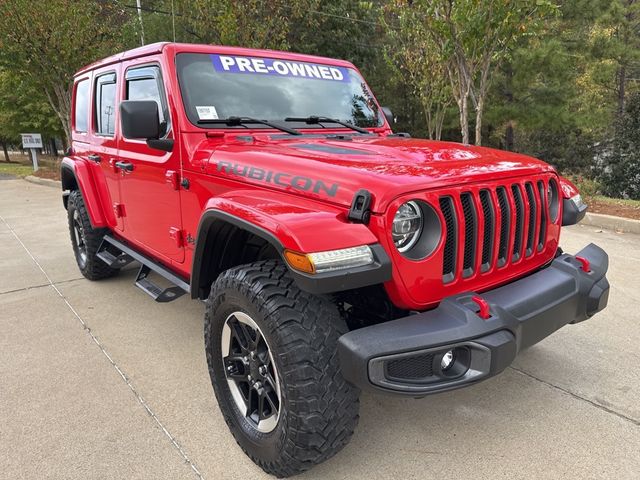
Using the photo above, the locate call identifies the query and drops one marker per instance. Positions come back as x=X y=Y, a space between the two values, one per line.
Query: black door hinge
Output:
x=360 y=211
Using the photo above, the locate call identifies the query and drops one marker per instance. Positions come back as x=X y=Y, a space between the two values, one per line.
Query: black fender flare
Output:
x=350 y=278
x=209 y=217
x=69 y=182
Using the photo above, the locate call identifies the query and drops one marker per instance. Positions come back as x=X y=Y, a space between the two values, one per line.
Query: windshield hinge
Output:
x=360 y=211
x=399 y=135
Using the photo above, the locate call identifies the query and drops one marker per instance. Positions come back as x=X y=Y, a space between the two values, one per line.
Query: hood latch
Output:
x=360 y=211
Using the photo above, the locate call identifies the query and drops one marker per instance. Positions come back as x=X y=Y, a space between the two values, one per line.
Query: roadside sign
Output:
x=31 y=140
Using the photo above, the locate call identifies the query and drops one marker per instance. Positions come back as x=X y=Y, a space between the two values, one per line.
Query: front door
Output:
x=149 y=177
x=104 y=144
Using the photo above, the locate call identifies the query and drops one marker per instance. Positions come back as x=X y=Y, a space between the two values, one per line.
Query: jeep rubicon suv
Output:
x=333 y=255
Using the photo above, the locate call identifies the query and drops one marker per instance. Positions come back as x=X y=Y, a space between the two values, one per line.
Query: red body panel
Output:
x=297 y=188
x=87 y=185
x=569 y=190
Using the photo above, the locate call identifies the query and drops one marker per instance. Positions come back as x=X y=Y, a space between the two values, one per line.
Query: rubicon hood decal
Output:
x=283 y=179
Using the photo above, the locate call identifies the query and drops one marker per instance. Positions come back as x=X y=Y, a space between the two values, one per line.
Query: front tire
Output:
x=271 y=351
x=86 y=240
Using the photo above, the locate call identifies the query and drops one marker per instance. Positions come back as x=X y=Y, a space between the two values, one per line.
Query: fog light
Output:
x=447 y=360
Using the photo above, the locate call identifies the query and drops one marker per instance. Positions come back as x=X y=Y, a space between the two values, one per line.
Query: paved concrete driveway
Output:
x=98 y=381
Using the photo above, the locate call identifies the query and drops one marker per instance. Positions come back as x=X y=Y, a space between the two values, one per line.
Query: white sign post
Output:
x=32 y=141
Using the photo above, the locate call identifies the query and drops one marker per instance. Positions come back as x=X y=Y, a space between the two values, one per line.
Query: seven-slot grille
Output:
x=493 y=226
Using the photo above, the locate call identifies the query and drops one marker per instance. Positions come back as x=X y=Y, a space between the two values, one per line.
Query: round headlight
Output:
x=407 y=226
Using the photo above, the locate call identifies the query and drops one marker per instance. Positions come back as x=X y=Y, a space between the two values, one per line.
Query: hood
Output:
x=334 y=169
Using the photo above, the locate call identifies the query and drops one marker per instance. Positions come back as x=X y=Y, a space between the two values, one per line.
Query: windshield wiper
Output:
x=314 y=120
x=237 y=121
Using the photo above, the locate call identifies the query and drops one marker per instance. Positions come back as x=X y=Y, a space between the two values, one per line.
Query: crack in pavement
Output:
x=124 y=377
x=578 y=397
x=32 y=287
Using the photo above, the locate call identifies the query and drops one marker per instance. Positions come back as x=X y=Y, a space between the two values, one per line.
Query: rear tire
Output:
x=313 y=409
x=86 y=240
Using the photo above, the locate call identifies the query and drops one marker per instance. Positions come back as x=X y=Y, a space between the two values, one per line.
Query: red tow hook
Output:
x=586 y=266
x=484 y=307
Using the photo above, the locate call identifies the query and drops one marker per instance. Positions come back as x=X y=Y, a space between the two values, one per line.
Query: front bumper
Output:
x=404 y=356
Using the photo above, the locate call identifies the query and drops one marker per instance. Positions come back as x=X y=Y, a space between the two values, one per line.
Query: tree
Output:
x=413 y=54
x=553 y=95
x=23 y=108
x=340 y=29
x=472 y=38
x=615 y=43
x=47 y=41
x=8 y=132
x=621 y=173
x=247 y=23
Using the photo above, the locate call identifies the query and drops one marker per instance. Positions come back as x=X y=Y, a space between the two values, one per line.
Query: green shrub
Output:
x=620 y=173
x=587 y=187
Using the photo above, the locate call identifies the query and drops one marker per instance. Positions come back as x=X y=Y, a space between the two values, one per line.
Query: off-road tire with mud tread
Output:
x=319 y=409
x=92 y=268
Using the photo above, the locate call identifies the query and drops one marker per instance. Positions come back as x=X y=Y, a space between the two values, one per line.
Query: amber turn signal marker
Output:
x=299 y=261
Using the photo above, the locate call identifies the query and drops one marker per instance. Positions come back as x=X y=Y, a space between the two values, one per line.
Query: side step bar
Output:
x=159 y=294
x=126 y=255
x=114 y=260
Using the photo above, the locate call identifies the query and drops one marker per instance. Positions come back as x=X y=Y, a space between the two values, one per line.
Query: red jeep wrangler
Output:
x=333 y=255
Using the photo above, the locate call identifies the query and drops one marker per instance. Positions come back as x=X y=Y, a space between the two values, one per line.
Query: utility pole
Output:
x=173 y=21
x=140 y=19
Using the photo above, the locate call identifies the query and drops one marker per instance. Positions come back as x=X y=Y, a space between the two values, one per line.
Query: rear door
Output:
x=150 y=183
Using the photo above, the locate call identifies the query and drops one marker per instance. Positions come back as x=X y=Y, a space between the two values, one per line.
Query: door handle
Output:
x=94 y=158
x=125 y=166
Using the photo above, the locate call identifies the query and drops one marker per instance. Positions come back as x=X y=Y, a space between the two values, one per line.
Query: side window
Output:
x=81 y=114
x=105 y=104
x=145 y=83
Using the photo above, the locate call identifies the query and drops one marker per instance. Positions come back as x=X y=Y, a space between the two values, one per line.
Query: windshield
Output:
x=222 y=86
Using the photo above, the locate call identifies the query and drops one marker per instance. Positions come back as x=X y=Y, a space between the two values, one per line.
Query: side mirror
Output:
x=140 y=119
x=388 y=114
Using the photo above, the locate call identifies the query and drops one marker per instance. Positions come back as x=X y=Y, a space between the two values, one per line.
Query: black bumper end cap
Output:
x=503 y=347
x=571 y=213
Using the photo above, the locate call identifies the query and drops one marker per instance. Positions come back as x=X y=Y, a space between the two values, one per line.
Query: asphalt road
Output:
x=98 y=381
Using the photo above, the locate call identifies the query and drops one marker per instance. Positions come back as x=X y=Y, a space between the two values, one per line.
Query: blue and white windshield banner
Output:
x=278 y=67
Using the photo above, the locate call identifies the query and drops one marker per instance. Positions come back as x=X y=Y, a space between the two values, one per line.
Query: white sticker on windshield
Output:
x=207 y=113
